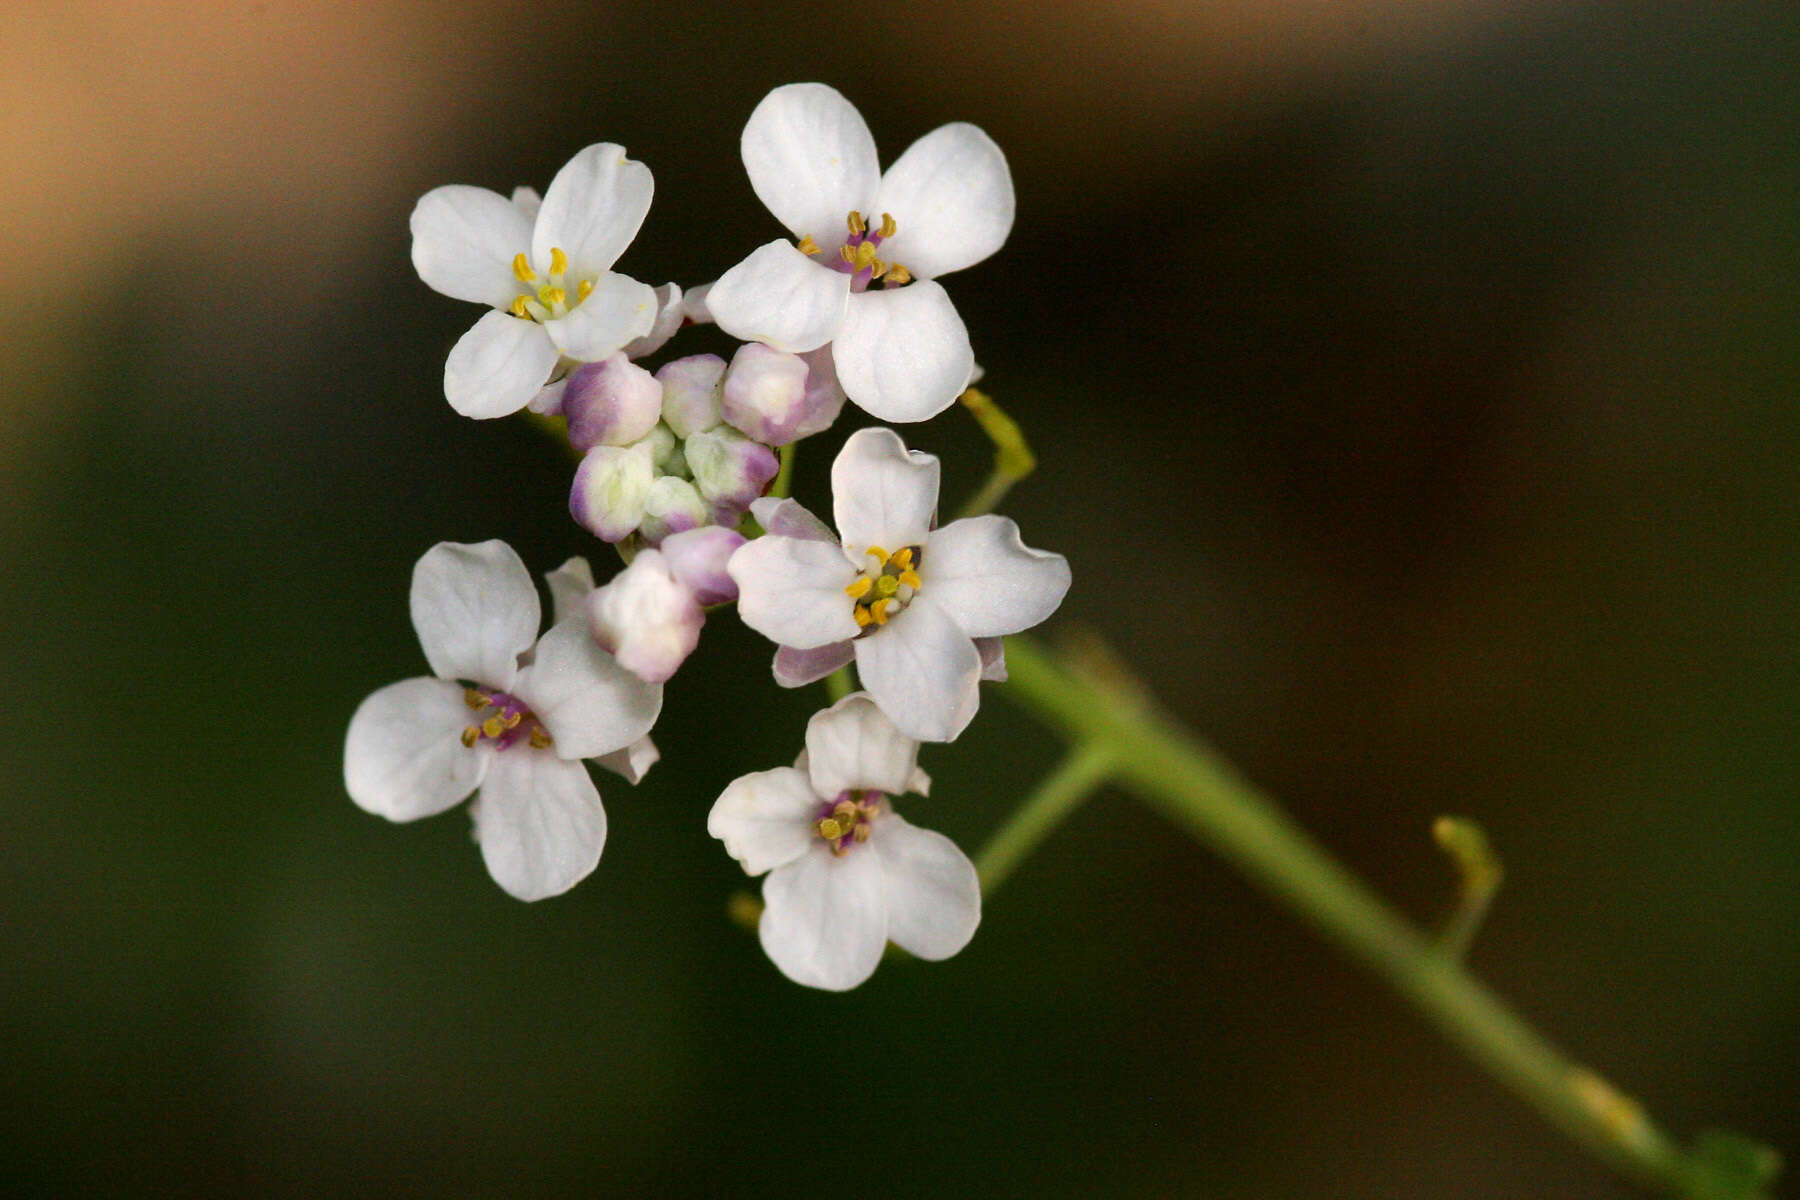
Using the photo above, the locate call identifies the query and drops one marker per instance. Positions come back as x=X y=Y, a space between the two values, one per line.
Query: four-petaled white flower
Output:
x=902 y=352
x=847 y=874
x=502 y=715
x=905 y=601
x=544 y=267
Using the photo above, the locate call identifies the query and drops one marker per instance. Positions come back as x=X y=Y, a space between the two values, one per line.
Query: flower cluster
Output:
x=681 y=470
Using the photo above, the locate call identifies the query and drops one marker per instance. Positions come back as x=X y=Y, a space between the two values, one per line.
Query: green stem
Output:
x=784 y=478
x=838 y=684
x=1193 y=787
x=1085 y=769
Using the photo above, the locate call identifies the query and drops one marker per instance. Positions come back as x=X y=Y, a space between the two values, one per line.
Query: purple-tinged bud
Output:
x=611 y=487
x=645 y=618
x=697 y=559
x=672 y=507
x=730 y=469
x=691 y=392
x=765 y=393
x=610 y=403
x=665 y=450
x=824 y=396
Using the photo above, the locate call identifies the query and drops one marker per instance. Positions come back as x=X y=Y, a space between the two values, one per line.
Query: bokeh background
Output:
x=1415 y=391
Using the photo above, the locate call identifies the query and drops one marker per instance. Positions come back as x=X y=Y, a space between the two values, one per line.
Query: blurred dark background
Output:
x=1415 y=392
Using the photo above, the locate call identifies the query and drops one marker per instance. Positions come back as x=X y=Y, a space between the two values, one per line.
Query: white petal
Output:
x=903 y=354
x=981 y=573
x=923 y=670
x=780 y=296
x=464 y=240
x=404 y=758
x=496 y=368
x=825 y=920
x=852 y=744
x=811 y=159
x=669 y=316
x=616 y=311
x=993 y=659
x=792 y=592
x=539 y=822
x=933 y=896
x=569 y=586
x=645 y=618
x=765 y=818
x=634 y=761
x=882 y=495
x=797 y=668
x=951 y=197
x=589 y=703
x=593 y=209
x=790 y=519
x=475 y=610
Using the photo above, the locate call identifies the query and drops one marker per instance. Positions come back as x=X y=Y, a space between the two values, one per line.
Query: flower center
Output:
x=550 y=300
x=849 y=820
x=857 y=256
x=886 y=586
x=502 y=719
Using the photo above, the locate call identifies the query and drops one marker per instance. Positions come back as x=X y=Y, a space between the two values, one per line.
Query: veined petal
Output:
x=790 y=519
x=539 y=822
x=952 y=199
x=852 y=744
x=825 y=918
x=616 y=311
x=923 y=670
x=780 y=296
x=903 y=354
x=765 y=818
x=496 y=368
x=569 y=587
x=797 y=668
x=882 y=495
x=633 y=762
x=792 y=592
x=811 y=159
x=933 y=895
x=475 y=611
x=589 y=703
x=464 y=240
x=593 y=209
x=981 y=573
x=404 y=758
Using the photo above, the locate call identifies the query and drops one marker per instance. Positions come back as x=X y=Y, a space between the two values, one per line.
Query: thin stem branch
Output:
x=784 y=478
x=1084 y=769
x=1193 y=787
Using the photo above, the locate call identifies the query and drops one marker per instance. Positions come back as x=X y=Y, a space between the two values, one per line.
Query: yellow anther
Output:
x=552 y=296
x=847 y=254
x=860 y=588
x=878 y=611
x=861 y=832
x=863 y=619
x=857 y=224
x=522 y=268
x=494 y=726
x=897 y=275
x=864 y=258
x=806 y=245
x=887 y=585
x=559 y=262
x=830 y=830
x=517 y=308
x=474 y=699
x=584 y=290
x=877 y=552
x=887 y=225
x=911 y=579
x=513 y=718
x=470 y=735
x=540 y=737
x=902 y=557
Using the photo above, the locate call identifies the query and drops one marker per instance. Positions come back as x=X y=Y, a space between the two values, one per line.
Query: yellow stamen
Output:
x=552 y=296
x=847 y=254
x=863 y=619
x=887 y=225
x=911 y=579
x=878 y=552
x=522 y=268
x=860 y=588
x=887 y=585
x=806 y=245
x=857 y=224
x=494 y=726
x=585 y=290
x=878 y=611
x=517 y=308
x=513 y=719
x=902 y=558
x=865 y=257
x=474 y=699
x=559 y=262
x=861 y=832
x=897 y=275
x=540 y=737
x=470 y=735
x=830 y=830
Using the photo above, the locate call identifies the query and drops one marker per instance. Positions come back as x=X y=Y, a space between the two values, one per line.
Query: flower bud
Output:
x=645 y=618
x=665 y=450
x=729 y=469
x=691 y=389
x=765 y=393
x=610 y=403
x=671 y=507
x=611 y=487
x=697 y=559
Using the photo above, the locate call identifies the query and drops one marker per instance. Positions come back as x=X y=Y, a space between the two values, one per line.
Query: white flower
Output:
x=906 y=602
x=847 y=874
x=502 y=715
x=902 y=353
x=544 y=268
